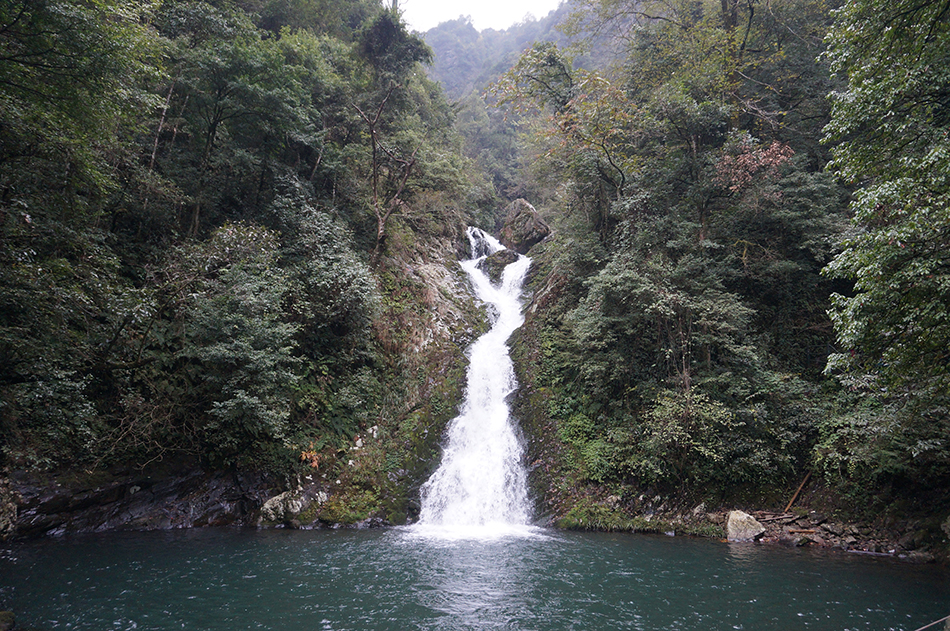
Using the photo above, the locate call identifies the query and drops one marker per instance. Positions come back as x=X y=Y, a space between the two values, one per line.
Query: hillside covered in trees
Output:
x=745 y=287
x=225 y=229
x=229 y=227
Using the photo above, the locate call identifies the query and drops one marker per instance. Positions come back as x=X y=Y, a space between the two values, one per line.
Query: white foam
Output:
x=480 y=487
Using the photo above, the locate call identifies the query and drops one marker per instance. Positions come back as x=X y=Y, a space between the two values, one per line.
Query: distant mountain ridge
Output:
x=467 y=60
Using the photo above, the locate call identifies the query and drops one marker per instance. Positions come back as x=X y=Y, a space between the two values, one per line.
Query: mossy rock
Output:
x=523 y=227
x=494 y=265
x=350 y=507
x=587 y=514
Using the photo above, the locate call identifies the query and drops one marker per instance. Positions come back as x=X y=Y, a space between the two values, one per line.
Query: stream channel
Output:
x=473 y=561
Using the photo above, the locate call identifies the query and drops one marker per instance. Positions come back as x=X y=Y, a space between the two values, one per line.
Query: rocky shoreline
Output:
x=816 y=529
x=906 y=541
x=192 y=499
x=33 y=507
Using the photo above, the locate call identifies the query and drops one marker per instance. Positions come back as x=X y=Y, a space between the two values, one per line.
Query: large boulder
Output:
x=523 y=227
x=494 y=264
x=742 y=527
x=283 y=507
x=294 y=507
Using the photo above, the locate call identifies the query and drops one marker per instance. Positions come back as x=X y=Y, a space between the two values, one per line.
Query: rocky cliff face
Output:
x=523 y=227
x=161 y=499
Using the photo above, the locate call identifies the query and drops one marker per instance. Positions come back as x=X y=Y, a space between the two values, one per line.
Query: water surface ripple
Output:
x=402 y=579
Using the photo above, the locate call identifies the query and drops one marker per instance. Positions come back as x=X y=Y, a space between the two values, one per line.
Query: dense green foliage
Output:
x=682 y=326
x=889 y=133
x=217 y=219
x=190 y=199
x=684 y=329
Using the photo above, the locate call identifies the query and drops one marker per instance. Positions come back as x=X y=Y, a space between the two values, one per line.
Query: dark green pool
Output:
x=401 y=580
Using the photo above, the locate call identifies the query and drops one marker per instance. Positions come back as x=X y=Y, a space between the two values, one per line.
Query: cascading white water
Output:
x=481 y=480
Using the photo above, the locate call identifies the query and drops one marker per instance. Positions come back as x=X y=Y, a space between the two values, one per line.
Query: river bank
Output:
x=37 y=507
x=817 y=524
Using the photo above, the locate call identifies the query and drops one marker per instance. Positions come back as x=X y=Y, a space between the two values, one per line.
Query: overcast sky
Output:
x=421 y=15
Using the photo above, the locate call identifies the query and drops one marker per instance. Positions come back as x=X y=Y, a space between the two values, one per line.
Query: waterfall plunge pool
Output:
x=472 y=563
x=416 y=578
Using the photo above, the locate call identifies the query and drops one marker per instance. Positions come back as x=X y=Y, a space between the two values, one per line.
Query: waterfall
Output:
x=481 y=480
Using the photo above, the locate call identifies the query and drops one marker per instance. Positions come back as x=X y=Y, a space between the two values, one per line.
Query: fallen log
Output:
x=800 y=487
x=778 y=517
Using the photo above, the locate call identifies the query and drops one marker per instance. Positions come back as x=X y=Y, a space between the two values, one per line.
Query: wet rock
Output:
x=284 y=507
x=289 y=507
x=913 y=540
x=8 y=509
x=494 y=264
x=523 y=227
x=833 y=528
x=187 y=499
x=741 y=526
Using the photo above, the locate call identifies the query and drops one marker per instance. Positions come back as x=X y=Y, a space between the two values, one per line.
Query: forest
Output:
x=227 y=234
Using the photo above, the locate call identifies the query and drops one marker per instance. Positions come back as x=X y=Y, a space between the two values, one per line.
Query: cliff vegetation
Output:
x=229 y=232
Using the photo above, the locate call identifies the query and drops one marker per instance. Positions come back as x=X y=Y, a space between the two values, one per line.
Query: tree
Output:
x=543 y=78
x=385 y=160
x=391 y=52
x=889 y=139
x=647 y=316
x=390 y=49
x=183 y=205
x=691 y=337
x=339 y=18
x=594 y=131
x=237 y=99
x=889 y=127
x=73 y=78
x=245 y=354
